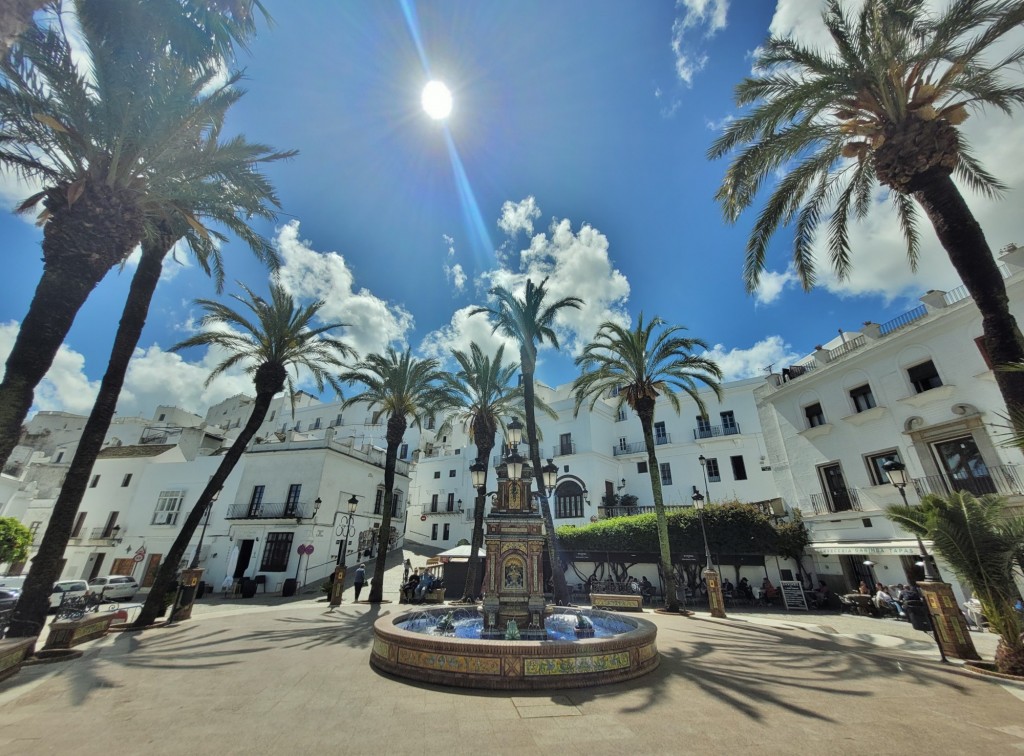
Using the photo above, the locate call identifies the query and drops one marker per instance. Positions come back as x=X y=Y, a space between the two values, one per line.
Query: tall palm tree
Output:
x=234 y=191
x=111 y=143
x=982 y=543
x=642 y=367
x=530 y=322
x=881 y=105
x=401 y=388
x=485 y=395
x=274 y=337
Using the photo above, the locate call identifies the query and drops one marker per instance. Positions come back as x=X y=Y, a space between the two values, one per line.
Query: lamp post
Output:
x=716 y=601
x=704 y=470
x=202 y=533
x=946 y=620
x=316 y=508
x=346 y=530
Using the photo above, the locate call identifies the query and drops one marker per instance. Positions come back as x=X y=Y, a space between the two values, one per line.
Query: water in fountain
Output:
x=563 y=625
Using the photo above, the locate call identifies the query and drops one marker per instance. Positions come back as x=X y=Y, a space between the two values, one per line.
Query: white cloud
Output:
x=373 y=322
x=464 y=330
x=720 y=124
x=699 y=20
x=749 y=363
x=518 y=216
x=454 y=274
x=772 y=284
x=709 y=13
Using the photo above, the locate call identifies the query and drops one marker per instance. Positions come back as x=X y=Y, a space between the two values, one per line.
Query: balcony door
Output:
x=835 y=488
x=964 y=468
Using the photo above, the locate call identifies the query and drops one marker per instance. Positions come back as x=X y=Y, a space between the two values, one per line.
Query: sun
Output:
x=437 y=100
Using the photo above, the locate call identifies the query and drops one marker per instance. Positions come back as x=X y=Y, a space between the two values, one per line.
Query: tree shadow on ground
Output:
x=330 y=629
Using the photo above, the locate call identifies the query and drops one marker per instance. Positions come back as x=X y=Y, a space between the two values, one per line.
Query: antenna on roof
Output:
x=768 y=370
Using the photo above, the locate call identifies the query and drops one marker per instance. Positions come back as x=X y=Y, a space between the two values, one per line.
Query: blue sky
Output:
x=575 y=149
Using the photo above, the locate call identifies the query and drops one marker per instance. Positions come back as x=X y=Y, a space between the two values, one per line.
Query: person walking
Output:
x=360 y=580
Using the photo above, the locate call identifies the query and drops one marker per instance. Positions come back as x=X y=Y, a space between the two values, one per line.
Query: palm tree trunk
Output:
x=81 y=243
x=485 y=445
x=396 y=430
x=45 y=571
x=968 y=250
x=269 y=381
x=645 y=411
x=561 y=588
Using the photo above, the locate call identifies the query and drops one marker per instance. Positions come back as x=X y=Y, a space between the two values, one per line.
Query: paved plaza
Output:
x=276 y=675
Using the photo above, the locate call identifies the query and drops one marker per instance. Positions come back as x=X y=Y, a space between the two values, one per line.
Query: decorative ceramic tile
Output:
x=576 y=665
x=471 y=665
x=381 y=648
x=645 y=653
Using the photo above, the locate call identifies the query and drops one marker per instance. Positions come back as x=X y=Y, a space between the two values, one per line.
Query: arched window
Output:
x=568 y=499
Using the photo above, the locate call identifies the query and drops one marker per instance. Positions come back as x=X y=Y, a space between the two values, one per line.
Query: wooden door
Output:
x=152 y=565
x=123 y=566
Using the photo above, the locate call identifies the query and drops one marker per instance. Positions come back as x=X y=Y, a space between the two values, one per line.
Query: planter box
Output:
x=68 y=633
x=13 y=653
x=622 y=602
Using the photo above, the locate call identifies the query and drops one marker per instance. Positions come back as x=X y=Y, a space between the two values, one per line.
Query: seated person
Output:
x=768 y=591
x=426 y=581
x=863 y=589
x=409 y=588
x=745 y=590
x=908 y=593
x=884 y=602
x=821 y=594
x=728 y=587
x=646 y=589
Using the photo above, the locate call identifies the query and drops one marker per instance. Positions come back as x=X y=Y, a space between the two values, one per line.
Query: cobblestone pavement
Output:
x=272 y=675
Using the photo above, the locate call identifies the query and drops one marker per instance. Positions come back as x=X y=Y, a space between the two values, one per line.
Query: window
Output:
x=108 y=529
x=79 y=523
x=60 y=456
x=272 y=415
x=34 y=529
x=403 y=452
x=437 y=474
x=433 y=532
x=739 y=469
x=168 y=505
x=316 y=424
x=430 y=426
x=337 y=420
x=620 y=416
x=862 y=398
x=623 y=444
x=378 y=501
x=729 y=427
x=396 y=498
x=276 y=553
x=924 y=377
x=714 y=476
x=666 y=473
x=433 y=502
x=292 y=504
x=876 y=466
x=641 y=468
x=444 y=537
x=814 y=414
x=298 y=426
x=255 y=501
x=615 y=391
x=568 y=500
x=703 y=426
x=565 y=444
x=451 y=473
x=161 y=418
x=660 y=436
x=450 y=503
x=95 y=481
x=126 y=480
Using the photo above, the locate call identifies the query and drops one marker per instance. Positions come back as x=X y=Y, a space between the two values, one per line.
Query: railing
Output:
x=903 y=320
x=563 y=449
x=635 y=447
x=428 y=509
x=844 y=500
x=100 y=534
x=524 y=452
x=954 y=296
x=851 y=344
x=714 y=431
x=604 y=511
x=270 y=511
x=1001 y=479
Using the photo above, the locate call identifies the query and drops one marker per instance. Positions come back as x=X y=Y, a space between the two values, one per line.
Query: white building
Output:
x=918 y=389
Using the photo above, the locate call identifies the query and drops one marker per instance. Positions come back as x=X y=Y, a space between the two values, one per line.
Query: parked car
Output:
x=68 y=588
x=8 y=598
x=114 y=587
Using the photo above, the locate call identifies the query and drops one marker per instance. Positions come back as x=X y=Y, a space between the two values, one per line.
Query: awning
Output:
x=894 y=548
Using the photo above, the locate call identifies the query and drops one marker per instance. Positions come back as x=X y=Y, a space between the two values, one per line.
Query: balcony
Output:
x=636 y=447
x=271 y=511
x=848 y=346
x=845 y=500
x=563 y=449
x=1000 y=479
x=604 y=511
x=715 y=431
x=439 y=510
x=103 y=534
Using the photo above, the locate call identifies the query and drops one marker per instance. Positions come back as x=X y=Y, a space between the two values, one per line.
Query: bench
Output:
x=68 y=633
x=13 y=653
x=436 y=596
x=622 y=602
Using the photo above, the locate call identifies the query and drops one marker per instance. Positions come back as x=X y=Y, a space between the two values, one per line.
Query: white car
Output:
x=114 y=587
x=68 y=588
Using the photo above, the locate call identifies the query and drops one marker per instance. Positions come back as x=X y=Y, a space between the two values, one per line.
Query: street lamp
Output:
x=704 y=469
x=316 y=508
x=515 y=433
x=897 y=472
x=550 y=475
x=202 y=533
x=716 y=600
x=346 y=530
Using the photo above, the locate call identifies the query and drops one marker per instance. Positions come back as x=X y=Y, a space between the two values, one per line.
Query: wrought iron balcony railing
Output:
x=844 y=500
x=997 y=479
x=270 y=510
x=714 y=431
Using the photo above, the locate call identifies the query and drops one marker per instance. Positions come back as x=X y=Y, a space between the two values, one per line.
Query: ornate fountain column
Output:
x=514 y=585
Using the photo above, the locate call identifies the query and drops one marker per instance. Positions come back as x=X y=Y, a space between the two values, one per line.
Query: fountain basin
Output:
x=514 y=665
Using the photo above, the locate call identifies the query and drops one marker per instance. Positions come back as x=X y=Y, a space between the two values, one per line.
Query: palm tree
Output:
x=643 y=367
x=274 y=337
x=981 y=543
x=882 y=105
x=400 y=387
x=529 y=321
x=111 y=147
x=485 y=395
x=233 y=192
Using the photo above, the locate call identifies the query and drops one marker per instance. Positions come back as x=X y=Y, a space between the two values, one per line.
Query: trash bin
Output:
x=917 y=613
x=248 y=588
x=290 y=585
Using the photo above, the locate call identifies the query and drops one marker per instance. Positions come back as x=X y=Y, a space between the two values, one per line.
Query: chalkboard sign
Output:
x=793 y=594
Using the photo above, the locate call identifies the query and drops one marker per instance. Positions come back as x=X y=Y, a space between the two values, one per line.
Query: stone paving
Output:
x=275 y=675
